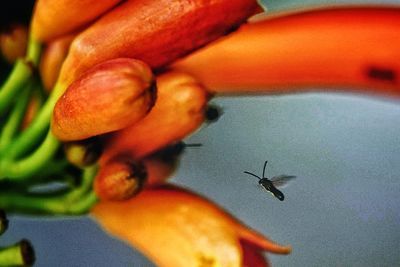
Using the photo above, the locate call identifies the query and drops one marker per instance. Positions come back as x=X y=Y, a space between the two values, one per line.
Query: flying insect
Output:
x=271 y=184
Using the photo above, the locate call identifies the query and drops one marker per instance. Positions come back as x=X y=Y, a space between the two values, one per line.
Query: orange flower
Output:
x=355 y=48
x=175 y=227
x=156 y=32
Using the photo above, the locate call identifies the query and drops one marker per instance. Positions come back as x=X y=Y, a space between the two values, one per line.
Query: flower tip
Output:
x=252 y=237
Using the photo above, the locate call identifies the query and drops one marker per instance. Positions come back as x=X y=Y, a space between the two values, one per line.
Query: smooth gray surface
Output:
x=342 y=210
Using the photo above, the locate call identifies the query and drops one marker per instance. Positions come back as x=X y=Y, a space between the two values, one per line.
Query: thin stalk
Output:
x=76 y=201
x=33 y=52
x=30 y=137
x=14 y=120
x=21 y=169
x=17 y=79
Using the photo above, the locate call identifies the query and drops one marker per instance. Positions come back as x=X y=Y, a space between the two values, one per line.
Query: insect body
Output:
x=271 y=184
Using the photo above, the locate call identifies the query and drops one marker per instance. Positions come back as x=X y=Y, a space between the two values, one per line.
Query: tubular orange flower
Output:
x=178 y=111
x=147 y=30
x=108 y=97
x=196 y=231
x=54 y=18
x=340 y=47
x=52 y=58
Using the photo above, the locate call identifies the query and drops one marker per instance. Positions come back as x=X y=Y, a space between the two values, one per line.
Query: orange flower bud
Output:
x=147 y=30
x=108 y=97
x=52 y=59
x=119 y=179
x=197 y=231
x=178 y=111
x=13 y=42
x=54 y=18
x=349 y=47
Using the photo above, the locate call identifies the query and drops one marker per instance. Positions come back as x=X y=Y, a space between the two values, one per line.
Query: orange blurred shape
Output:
x=175 y=227
x=54 y=18
x=13 y=42
x=178 y=111
x=52 y=59
x=352 y=48
x=34 y=105
x=108 y=97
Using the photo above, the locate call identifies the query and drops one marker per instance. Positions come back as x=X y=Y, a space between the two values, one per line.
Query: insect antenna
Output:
x=265 y=165
x=252 y=174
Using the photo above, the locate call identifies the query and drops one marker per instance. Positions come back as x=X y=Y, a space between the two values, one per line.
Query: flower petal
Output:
x=175 y=227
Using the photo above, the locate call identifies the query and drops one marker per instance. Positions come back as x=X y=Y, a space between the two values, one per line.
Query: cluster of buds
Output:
x=121 y=83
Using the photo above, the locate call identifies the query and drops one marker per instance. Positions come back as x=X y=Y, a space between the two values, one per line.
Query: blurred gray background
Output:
x=342 y=210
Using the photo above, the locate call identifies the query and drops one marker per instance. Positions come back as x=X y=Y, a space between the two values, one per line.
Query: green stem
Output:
x=14 y=120
x=19 y=170
x=19 y=76
x=33 y=51
x=77 y=201
x=30 y=137
x=20 y=254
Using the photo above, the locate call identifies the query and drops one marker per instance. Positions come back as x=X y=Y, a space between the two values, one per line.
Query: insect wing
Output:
x=281 y=180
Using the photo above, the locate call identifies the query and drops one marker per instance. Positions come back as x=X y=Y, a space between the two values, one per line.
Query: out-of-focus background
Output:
x=343 y=209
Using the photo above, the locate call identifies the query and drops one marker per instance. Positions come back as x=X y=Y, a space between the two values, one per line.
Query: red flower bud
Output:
x=156 y=32
x=110 y=96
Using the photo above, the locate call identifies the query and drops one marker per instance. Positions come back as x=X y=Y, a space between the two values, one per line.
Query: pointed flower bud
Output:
x=178 y=111
x=197 y=231
x=110 y=96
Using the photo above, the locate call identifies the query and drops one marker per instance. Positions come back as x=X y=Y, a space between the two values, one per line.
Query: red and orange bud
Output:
x=178 y=111
x=13 y=42
x=110 y=96
x=54 y=18
x=119 y=179
x=52 y=59
x=348 y=47
x=197 y=231
x=147 y=30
